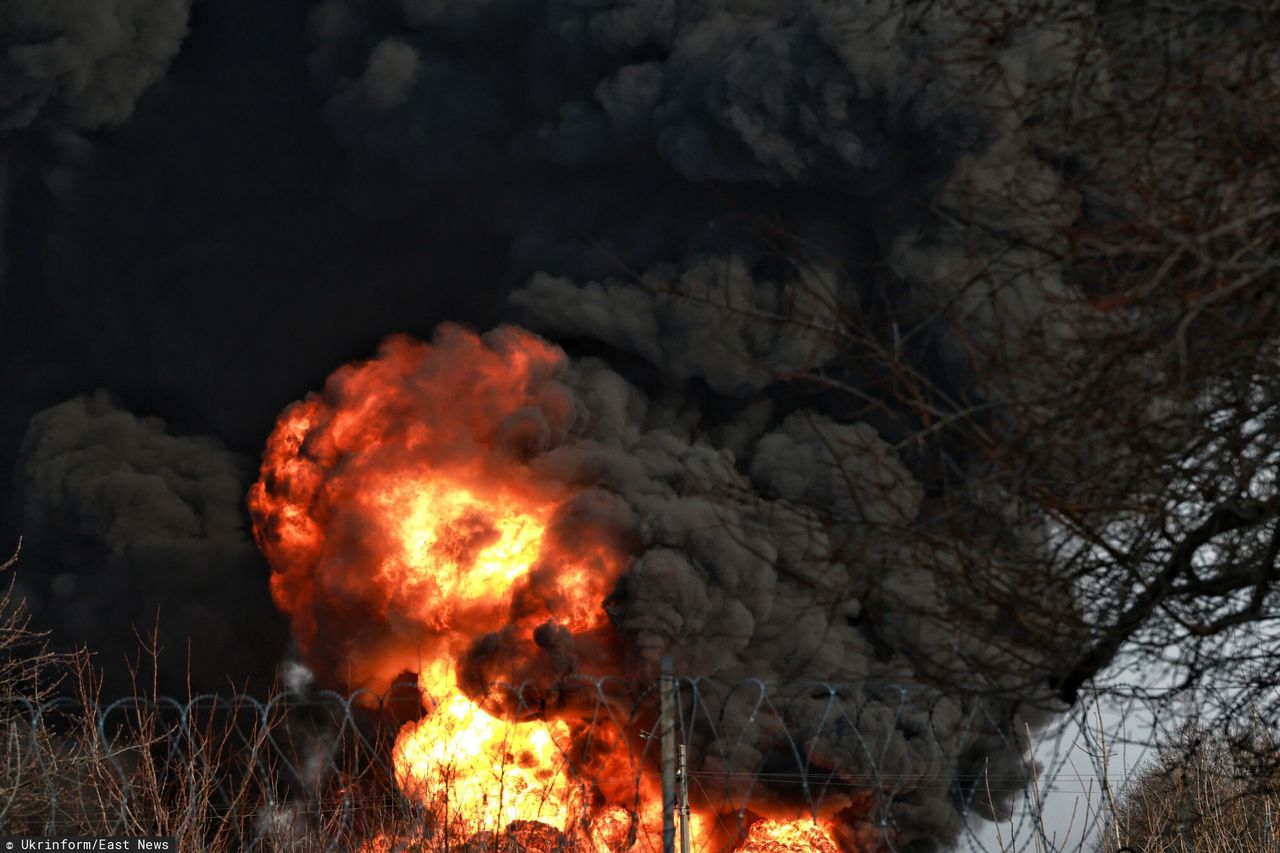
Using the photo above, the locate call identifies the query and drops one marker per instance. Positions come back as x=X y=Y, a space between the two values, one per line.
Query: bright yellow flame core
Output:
x=458 y=558
x=456 y=550
x=481 y=772
x=788 y=836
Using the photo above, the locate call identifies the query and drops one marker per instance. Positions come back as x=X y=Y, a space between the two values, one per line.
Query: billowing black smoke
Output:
x=698 y=196
x=145 y=537
x=84 y=64
x=689 y=196
x=205 y=261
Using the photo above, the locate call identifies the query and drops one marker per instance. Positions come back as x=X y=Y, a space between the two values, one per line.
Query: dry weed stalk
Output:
x=150 y=767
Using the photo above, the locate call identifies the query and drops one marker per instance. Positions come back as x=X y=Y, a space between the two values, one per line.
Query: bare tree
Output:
x=1088 y=383
x=1202 y=791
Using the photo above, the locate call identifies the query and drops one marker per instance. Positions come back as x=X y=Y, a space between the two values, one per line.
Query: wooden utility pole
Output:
x=667 y=732
x=682 y=773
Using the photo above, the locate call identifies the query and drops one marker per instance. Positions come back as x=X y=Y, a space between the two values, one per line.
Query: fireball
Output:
x=410 y=527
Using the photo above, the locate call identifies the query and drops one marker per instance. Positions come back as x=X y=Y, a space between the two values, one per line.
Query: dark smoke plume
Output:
x=206 y=261
x=141 y=538
x=83 y=64
x=697 y=194
x=687 y=196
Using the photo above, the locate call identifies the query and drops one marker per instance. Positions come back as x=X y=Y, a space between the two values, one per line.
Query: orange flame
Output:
x=477 y=771
x=404 y=523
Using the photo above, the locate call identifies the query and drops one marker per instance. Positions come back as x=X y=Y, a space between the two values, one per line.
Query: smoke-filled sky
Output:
x=184 y=234
x=210 y=205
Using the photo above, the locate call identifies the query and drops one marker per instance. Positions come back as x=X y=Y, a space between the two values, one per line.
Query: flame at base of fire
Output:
x=482 y=776
x=476 y=771
x=780 y=836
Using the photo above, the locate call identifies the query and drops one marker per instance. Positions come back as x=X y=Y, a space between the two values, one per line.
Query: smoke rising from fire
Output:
x=656 y=543
x=697 y=195
x=687 y=198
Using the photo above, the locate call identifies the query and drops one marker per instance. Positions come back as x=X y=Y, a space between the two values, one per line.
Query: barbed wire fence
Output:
x=315 y=771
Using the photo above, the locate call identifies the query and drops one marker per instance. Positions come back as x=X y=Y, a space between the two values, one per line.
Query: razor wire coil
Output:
x=322 y=758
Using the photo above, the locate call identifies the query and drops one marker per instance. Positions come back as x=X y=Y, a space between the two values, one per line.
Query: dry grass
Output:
x=218 y=780
x=209 y=778
x=218 y=774
x=213 y=773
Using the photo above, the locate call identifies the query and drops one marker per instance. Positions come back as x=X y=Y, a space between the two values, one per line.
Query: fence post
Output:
x=667 y=731
x=682 y=773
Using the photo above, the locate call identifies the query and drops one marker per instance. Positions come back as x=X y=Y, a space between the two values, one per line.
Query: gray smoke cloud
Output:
x=738 y=332
x=134 y=531
x=777 y=93
x=794 y=572
x=83 y=64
